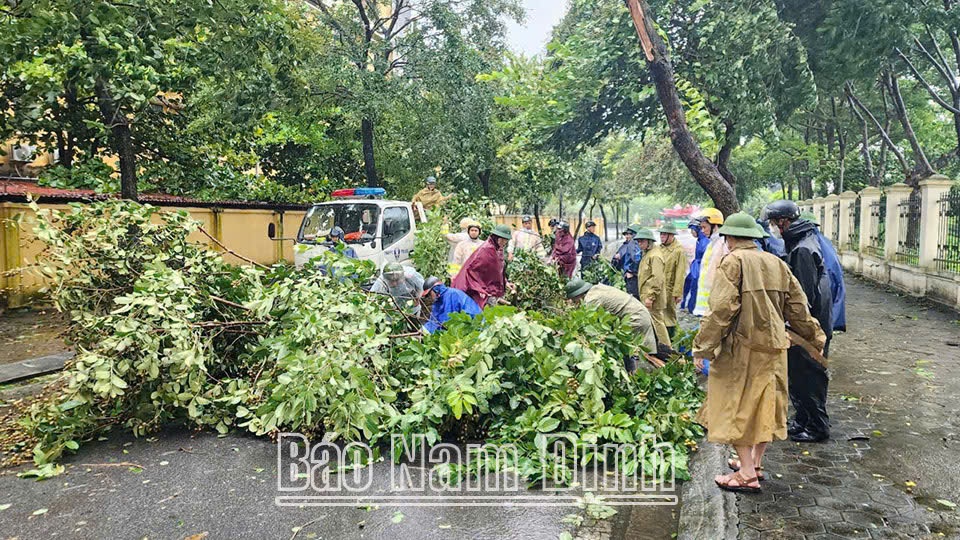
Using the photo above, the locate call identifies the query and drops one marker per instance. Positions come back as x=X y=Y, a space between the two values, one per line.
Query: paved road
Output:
x=179 y=484
x=895 y=448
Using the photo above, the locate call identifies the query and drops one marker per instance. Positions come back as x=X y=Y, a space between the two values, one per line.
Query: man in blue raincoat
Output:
x=446 y=301
x=627 y=260
x=589 y=245
x=831 y=261
x=689 y=300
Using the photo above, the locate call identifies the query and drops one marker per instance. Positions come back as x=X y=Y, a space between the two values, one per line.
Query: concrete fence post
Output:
x=830 y=203
x=846 y=226
x=817 y=209
x=896 y=194
x=931 y=190
x=868 y=196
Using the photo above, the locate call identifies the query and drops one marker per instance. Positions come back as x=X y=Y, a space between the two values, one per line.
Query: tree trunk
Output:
x=883 y=132
x=369 y=164
x=922 y=169
x=121 y=140
x=536 y=217
x=604 y=216
x=865 y=133
x=658 y=61
x=485 y=182
x=616 y=225
x=580 y=213
x=723 y=156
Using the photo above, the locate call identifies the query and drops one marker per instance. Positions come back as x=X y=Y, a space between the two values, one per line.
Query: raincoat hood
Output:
x=797 y=230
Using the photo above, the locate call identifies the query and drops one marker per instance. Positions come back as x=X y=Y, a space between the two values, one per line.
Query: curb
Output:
x=705 y=511
x=27 y=369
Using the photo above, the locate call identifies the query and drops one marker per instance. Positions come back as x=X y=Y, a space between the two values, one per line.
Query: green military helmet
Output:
x=576 y=287
x=644 y=233
x=668 y=228
x=760 y=228
x=393 y=270
x=503 y=231
x=811 y=217
x=741 y=224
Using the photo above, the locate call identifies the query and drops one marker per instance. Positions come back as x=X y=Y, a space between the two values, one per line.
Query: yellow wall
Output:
x=243 y=231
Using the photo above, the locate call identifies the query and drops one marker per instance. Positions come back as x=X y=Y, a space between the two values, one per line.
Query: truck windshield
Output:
x=358 y=221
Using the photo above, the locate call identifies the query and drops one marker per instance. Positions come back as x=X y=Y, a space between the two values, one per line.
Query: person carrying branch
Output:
x=808 y=377
x=430 y=197
x=619 y=303
x=445 y=301
x=403 y=283
x=744 y=334
x=652 y=285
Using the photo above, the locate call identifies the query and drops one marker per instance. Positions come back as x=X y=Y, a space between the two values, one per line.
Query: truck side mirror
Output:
x=272 y=230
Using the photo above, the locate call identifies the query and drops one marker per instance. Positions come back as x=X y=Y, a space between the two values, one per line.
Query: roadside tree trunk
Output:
x=703 y=170
x=723 y=156
x=369 y=164
x=580 y=213
x=604 y=216
x=485 y=182
x=121 y=139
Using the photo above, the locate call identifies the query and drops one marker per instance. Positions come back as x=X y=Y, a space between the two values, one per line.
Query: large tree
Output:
x=96 y=78
x=401 y=58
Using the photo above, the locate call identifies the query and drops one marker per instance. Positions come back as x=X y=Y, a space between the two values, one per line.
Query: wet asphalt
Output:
x=179 y=484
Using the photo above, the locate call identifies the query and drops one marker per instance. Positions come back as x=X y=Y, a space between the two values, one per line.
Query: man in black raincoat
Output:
x=807 y=378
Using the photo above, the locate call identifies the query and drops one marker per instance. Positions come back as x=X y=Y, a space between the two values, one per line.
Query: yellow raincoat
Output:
x=754 y=294
x=675 y=268
x=430 y=199
x=650 y=282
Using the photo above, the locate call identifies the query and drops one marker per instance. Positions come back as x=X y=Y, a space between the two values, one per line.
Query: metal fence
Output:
x=908 y=241
x=878 y=226
x=853 y=239
x=823 y=215
x=948 y=239
x=835 y=232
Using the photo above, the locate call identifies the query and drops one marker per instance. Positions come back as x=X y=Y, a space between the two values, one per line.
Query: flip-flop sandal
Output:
x=741 y=486
x=734 y=466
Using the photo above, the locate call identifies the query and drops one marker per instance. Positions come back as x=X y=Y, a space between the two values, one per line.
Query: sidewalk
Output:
x=895 y=443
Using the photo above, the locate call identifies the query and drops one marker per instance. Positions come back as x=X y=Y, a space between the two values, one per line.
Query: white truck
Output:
x=378 y=230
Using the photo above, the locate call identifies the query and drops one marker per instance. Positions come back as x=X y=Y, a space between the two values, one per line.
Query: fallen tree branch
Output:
x=228 y=302
x=121 y=464
x=218 y=324
x=230 y=251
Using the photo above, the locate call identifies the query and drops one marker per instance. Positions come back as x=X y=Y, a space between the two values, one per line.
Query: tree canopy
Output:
x=697 y=99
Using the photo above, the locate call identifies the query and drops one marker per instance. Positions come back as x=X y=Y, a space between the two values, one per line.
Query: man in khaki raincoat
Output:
x=675 y=268
x=650 y=282
x=754 y=295
x=619 y=303
x=430 y=197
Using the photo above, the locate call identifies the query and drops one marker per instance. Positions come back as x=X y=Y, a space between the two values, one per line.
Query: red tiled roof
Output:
x=18 y=190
